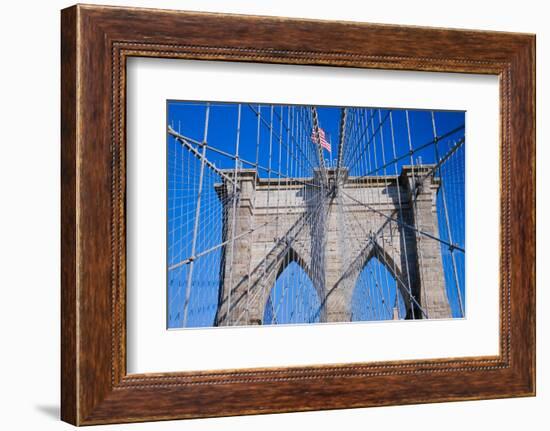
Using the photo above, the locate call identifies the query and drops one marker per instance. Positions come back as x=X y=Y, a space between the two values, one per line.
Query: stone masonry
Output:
x=332 y=229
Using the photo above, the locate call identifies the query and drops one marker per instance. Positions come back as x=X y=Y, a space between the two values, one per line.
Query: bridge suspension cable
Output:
x=263 y=229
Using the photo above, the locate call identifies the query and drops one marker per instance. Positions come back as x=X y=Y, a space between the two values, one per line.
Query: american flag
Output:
x=324 y=143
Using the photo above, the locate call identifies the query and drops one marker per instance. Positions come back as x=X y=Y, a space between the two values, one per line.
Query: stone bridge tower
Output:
x=271 y=222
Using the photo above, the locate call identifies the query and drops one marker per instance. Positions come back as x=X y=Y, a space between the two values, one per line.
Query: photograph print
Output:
x=298 y=214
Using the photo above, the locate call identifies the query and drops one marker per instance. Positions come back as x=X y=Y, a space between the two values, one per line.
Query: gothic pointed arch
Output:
x=376 y=294
x=292 y=296
x=382 y=276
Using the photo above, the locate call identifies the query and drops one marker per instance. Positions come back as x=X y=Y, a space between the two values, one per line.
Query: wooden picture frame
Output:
x=95 y=43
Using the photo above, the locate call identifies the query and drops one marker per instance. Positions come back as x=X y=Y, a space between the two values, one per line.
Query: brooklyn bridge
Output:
x=286 y=214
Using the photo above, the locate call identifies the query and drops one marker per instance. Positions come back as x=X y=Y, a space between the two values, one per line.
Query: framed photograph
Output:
x=286 y=215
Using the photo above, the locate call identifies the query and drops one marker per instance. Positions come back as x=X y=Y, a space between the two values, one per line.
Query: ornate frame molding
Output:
x=96 y=41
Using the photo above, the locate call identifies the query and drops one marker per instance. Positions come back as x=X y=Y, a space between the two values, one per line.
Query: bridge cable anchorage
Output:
x=261 y=229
